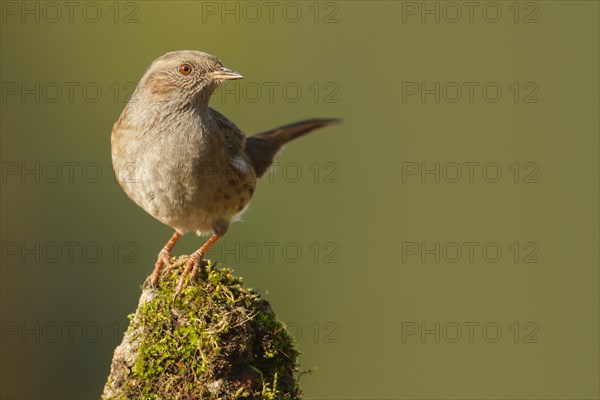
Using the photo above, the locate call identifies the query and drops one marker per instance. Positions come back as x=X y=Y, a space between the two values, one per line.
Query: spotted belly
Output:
x=196 y=205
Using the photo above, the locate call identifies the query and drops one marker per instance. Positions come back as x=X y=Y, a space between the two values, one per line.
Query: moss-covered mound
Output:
x=217 y=340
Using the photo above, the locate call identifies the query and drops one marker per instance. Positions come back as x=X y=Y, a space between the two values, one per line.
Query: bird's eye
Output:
x=185 y=69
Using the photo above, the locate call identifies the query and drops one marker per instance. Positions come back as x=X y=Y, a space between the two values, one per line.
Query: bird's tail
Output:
x=262 y=147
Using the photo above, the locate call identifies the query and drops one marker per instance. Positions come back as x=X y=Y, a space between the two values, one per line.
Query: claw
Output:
x=164 y=258
x=191 y=265
x=197 y=267
x=194 y=262
x=194 y=273
x=176 y=264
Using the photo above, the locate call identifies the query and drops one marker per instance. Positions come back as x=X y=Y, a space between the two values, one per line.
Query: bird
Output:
x=193 y=169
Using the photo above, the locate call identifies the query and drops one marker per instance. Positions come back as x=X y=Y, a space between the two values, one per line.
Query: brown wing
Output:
x=235 y=141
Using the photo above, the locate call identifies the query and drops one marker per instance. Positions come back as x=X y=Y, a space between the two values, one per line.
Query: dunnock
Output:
x=195 y=169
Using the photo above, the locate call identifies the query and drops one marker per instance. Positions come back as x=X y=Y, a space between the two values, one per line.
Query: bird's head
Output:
x=184 y=77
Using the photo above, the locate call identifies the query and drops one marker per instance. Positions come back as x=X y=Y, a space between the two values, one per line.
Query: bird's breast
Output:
x=186 y=183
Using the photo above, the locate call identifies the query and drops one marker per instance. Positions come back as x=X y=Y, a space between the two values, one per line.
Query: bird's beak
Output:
x=225 y=74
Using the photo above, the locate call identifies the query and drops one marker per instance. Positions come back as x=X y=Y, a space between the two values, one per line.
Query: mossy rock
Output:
x=218 y=340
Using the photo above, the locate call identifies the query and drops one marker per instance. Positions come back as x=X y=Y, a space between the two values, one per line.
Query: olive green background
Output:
x=350 y=317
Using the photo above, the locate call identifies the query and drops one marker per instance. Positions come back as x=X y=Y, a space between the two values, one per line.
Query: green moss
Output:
x=217 y=340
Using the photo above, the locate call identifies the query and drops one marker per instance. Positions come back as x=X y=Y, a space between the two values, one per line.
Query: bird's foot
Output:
x=180 y=262
x=199 y=268
x=192 y=266
x=195 y=260
x=164 y=258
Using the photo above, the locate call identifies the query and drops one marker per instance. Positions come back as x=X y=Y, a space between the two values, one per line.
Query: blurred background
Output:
x=442 y=243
